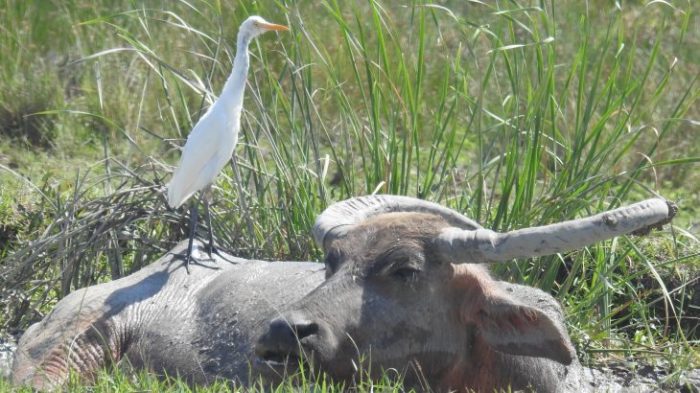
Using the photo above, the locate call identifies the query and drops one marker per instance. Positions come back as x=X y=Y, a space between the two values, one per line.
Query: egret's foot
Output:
x=186 y=256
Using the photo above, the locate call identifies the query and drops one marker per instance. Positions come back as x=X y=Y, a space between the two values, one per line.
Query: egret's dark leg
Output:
x=194 y=218
x=207 y=200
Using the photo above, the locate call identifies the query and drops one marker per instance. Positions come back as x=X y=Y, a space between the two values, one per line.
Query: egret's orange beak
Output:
x=272 y=26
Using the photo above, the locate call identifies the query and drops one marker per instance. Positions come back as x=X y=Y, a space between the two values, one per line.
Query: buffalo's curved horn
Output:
x=339 y=216
x=483 y=245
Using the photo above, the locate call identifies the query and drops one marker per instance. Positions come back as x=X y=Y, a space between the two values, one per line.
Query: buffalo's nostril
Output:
x=282 y=339
x=305 y=329
x=282 y=331
x=291 y=329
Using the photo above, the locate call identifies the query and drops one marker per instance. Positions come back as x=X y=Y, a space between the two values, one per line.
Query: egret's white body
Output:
x=213 y=139
x=209 y=147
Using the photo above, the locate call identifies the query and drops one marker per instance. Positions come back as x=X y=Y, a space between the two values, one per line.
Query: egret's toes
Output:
x=185 y=257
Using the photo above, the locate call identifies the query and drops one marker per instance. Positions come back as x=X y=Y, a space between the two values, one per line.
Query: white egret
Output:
x=212 y=141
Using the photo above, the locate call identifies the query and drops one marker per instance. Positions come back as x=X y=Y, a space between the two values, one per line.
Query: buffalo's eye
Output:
x=406 y=273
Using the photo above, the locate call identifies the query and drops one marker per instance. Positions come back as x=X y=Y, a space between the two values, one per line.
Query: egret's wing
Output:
x=209 y=146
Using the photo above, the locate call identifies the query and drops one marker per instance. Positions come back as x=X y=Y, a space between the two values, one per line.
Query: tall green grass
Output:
x=120 y=381
x=514 y=113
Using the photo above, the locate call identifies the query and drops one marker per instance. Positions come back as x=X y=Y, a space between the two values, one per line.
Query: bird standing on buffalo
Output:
x=213 y=139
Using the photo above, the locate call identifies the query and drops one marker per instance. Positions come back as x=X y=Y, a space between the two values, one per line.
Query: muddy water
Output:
x=645 y=378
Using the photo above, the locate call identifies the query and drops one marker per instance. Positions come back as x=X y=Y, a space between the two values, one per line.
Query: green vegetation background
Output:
x=516 y=113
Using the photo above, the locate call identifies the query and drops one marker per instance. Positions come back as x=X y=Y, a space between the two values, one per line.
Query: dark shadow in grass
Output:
x=28 y=127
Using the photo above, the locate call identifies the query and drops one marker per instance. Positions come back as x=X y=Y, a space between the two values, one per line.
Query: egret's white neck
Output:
x=232 y=94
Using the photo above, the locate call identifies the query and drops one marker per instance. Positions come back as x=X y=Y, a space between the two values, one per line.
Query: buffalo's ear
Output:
x=512 y=327
x=522 y=330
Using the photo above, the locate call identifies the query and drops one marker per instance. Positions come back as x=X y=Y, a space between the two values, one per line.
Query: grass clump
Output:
x=124 y=381
x=514 y=114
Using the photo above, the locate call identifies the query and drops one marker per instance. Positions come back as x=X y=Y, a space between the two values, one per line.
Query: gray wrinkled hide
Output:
x=200 y=326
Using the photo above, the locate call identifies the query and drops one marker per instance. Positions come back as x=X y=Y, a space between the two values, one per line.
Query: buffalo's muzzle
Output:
x=281 y=345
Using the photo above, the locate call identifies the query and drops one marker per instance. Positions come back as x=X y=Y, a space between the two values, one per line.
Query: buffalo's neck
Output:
x=472 y=370
x=482 y=369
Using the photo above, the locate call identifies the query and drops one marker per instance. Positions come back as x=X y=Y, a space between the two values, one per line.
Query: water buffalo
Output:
x=402 y=288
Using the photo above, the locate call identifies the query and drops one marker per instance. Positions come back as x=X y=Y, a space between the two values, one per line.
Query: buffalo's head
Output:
x=404 y=291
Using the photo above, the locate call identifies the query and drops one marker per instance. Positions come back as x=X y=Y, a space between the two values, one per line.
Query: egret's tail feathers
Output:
x=176 y=195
